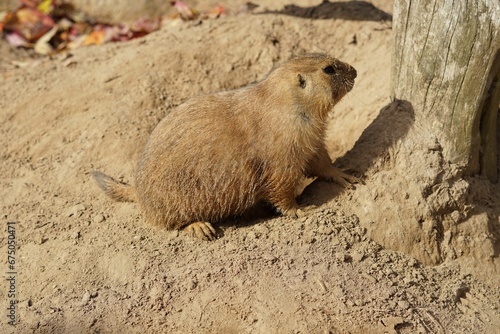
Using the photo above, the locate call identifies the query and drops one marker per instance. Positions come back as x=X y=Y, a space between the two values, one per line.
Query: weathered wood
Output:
x=443 y=62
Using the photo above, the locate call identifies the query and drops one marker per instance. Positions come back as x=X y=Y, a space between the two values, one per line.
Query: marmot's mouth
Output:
x=349 y=84
x=344 y=87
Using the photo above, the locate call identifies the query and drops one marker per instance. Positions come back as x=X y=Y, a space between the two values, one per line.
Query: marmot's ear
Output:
x=302 y=81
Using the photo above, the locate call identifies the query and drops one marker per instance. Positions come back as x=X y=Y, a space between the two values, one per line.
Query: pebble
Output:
x=309 y=221
x=173 y=233
x=325 y=230
x=269 y=257
x=86 y=297
x=41 y=240
x=357 y=256
x=99 y=218
x=335 y=241
x=404 y=304
x=75 y=211
x=193 y=284
x=342 y=257
x=75 y=235
x=392 y=322
x=251 y=235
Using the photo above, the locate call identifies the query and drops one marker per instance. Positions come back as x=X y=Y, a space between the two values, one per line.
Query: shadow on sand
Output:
x=350 y=10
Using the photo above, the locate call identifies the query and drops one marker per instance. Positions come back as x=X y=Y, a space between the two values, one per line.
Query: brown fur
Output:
x=217 y=155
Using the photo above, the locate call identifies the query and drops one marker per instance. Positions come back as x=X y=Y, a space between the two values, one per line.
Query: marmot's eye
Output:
x=302 y=81
x=329 y=70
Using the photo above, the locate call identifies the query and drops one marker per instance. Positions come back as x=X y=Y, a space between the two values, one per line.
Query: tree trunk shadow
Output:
x=349 y=10
x=391 y=125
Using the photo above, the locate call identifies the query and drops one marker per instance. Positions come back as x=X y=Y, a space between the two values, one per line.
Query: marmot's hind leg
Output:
x=201 y=230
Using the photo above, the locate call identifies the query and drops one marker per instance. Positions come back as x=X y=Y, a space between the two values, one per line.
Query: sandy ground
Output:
x=86 y=264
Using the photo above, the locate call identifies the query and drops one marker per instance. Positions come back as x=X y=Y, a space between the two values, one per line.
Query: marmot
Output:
x=217 y=155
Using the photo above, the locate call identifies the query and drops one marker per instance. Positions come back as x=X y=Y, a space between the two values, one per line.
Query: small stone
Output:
x=357 y=256
x=86 y=297
x=335 y=241
x=269 y=257
x=404 y=304
x=75 y=211
x=42 y=240
x=392 y=322
x=76 y=235
x=342 y=257
x=327 y=230
x=310 y=239
x=251 y=236
x=99 y=218
x=309 y=221
x=193 y=284
x=408 y=280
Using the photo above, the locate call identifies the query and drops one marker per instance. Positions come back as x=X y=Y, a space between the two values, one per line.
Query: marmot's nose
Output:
x=352 y=72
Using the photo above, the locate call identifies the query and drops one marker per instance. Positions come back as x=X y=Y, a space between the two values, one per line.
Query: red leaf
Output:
x=30 y=23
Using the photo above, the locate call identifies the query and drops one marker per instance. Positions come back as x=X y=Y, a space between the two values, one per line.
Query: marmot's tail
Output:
x=117 y=190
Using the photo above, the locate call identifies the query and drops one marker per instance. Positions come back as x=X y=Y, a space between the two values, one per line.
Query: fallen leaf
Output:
x=42 y=46
x=3 y=15
x=16 y=40
x=185 y=12
x=96 y=37
x=145 y=25
x=215 y=12
x=76 y=42
x=51 y=26
x=247 y=8
x=30 y=23
x=46 y=6
x=23 y=64
x=30 y=3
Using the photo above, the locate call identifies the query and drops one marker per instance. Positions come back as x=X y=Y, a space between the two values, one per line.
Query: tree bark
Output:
x=446 y=63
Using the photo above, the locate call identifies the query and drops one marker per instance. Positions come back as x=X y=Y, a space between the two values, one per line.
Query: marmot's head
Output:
x=317 y=80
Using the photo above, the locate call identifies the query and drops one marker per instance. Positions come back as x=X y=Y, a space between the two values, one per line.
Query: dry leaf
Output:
x=34 y=26
x=42 y=46
x=30 y=3
x=145 y=25
x=96 y=37
x=46 y=6
x=215 y=12
x=16 y=40
x=185 y=12
x=30 y=23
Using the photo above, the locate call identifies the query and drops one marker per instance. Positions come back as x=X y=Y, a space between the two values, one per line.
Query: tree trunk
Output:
x=419 y=155
x=446 y=62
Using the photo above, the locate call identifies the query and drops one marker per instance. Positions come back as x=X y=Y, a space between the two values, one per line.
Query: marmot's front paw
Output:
x=343 y=179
